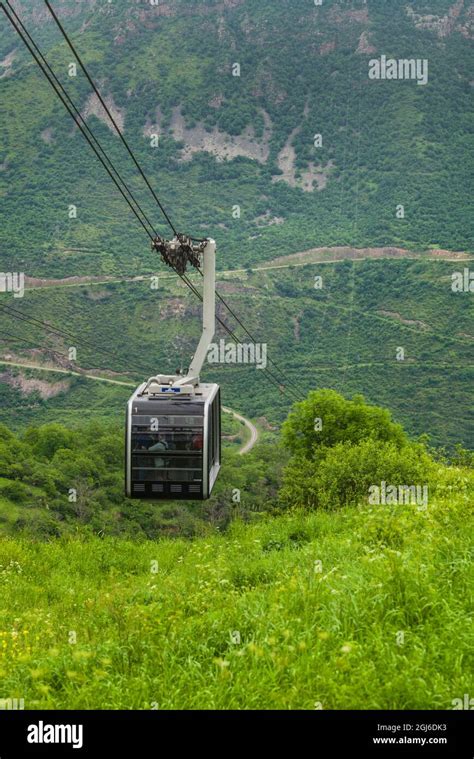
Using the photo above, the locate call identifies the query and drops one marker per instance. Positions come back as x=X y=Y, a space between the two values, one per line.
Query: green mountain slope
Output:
x=237 y=159
x=346 y=335
x=167 y=70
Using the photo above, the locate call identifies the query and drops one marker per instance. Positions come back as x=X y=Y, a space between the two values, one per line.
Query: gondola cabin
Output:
x=173 y=442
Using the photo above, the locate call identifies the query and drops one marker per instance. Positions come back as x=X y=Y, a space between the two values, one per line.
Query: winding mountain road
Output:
x=251 y=427
x=311 y=256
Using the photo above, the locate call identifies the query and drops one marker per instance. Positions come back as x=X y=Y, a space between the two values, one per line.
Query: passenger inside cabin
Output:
x=197 y=442
x=161 y=445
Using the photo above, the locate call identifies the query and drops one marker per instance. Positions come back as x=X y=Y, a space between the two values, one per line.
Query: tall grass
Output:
x=366 y=608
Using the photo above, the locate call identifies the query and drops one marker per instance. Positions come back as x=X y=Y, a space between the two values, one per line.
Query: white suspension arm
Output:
x=208 y=313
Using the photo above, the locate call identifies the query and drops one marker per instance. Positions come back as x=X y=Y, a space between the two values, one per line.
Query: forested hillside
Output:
x=300 y=150
x=346 y=335
x=168 y=70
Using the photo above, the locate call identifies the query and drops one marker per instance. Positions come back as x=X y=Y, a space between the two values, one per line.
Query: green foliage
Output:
x=47 y=440
x=343 y=474
x=280 y=614
x=340 y=448
x=326 y=418
x=342 y=337
x=55 y=481
x=318 y=599
x=406 y=152
x=313 y=80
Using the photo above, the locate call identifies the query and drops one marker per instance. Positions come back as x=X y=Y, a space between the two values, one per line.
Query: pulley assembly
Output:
x=180 y=251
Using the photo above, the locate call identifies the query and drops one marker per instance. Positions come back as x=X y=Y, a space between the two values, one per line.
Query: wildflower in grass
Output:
x=71 y=674
x=37 y=673
x=99 y=674
x=222 y=664
x=81 y=655
x=256 y=650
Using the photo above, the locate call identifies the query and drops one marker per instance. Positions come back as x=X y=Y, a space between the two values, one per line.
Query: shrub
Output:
x=49 y=438
x=342 y=421
x=343 y=474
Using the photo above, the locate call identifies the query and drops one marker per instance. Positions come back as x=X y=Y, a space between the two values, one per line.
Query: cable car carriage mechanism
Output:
x=173 y=425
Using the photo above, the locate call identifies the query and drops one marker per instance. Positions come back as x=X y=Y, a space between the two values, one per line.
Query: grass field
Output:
x=364 y=608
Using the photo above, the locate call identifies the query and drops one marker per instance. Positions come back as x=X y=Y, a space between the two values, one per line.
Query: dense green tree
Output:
x=341 y=447
x=326 y=418
x=46 y=440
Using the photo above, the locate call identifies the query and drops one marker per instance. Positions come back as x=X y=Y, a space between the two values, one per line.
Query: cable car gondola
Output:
x=173 y=426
